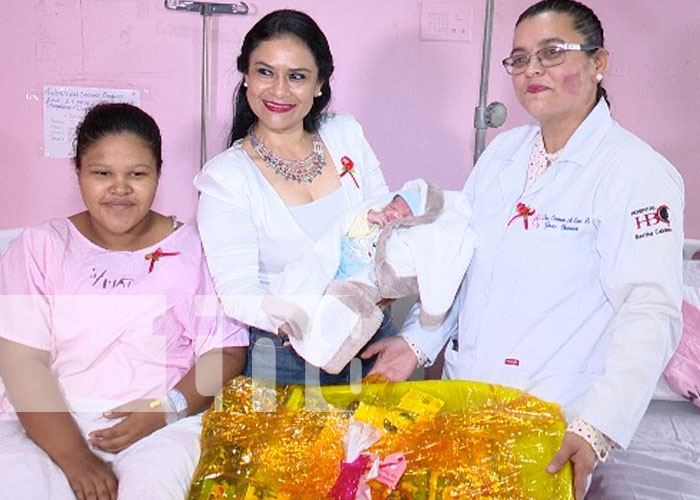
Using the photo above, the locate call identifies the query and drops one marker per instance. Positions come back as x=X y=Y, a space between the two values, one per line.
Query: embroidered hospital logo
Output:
x=662 y=214
x=651 y=221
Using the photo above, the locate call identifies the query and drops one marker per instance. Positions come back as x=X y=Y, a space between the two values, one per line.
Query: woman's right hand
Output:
x=44 y=414
x=395 y=359
x=90 y=477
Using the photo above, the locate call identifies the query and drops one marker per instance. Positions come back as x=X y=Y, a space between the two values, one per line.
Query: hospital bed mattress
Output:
x=662 y=461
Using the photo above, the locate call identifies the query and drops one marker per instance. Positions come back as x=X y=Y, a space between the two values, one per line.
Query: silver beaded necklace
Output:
x=295 y=170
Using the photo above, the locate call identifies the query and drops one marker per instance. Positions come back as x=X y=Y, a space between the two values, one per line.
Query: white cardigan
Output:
x=248 y=233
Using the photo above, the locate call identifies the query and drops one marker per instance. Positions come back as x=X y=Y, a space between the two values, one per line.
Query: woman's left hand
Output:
x=577 y=450
x=139 y=420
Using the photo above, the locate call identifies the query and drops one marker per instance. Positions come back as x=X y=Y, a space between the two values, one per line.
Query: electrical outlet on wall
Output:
x=446 y=20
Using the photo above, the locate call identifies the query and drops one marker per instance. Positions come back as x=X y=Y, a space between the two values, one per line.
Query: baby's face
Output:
x=397 y=209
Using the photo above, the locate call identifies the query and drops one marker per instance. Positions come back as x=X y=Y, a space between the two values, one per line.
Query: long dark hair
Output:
x=278 y=24
x=116 y=118
x=585 y=22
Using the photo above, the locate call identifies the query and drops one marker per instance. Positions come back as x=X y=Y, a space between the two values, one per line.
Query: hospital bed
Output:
x=663 y=460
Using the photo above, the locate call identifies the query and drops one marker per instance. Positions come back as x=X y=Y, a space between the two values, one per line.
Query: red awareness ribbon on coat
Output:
x=155 y=257
x=524 y=211
x=348 y=168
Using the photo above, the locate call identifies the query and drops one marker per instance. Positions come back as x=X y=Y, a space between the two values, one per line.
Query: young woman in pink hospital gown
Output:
x=104 y=318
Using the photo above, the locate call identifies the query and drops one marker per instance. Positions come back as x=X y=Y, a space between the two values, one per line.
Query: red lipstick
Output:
x=536 y=89
x=278 y=107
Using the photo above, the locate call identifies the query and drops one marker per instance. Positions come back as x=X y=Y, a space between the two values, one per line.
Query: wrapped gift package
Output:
x=422 y=440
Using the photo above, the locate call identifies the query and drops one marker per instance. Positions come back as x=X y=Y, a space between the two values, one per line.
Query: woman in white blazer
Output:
x=290 y=173
x=574 y=292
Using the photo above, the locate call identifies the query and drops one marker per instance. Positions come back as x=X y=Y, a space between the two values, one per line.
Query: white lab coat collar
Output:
x=585 y=140
x=578 y=150
x=580 y=146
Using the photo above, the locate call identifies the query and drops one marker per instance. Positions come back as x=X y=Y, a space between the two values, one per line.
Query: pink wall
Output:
x=415 y=98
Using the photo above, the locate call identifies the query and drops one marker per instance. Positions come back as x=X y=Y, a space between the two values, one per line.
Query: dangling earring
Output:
x=599 y=77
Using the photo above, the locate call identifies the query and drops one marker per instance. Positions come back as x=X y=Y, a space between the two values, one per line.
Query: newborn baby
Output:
x=358 y=245
x=417 y=240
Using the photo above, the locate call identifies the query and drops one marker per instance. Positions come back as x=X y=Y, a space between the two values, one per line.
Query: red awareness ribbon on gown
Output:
x=156 y=255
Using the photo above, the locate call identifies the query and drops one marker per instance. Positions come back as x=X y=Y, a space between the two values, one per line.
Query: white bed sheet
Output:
x=6 y=237
x=662 y=461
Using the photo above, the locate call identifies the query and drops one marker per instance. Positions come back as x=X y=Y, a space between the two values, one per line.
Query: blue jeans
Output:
x=290 y=368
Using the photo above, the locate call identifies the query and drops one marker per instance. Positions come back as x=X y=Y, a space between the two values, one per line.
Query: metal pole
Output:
x=480 y=122
x=206 y=18
x=206 y=10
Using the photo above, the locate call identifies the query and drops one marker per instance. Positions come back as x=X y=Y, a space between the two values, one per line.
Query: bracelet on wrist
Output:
x=174 y=406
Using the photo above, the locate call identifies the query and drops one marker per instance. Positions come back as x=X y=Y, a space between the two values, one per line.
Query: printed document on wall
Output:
x=64 y=109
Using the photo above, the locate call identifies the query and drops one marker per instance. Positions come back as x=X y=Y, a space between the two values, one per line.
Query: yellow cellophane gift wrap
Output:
x=460 y=440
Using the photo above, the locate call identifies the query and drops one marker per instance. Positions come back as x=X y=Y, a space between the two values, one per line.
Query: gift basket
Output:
x=422 y=440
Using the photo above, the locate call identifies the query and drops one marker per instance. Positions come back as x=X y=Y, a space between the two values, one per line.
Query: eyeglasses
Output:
x=552 y=55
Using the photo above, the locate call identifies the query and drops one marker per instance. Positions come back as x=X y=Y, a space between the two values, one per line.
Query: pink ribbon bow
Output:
x=348 y=482
x=356 y=470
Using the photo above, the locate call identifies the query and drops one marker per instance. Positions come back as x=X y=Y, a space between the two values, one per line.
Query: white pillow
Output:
x=6 y=237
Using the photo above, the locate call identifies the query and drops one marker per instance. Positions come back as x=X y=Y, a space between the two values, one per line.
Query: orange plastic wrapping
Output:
x=460 y=440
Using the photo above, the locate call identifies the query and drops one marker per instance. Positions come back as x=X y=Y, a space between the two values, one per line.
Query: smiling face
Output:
x=563 y=93
x=282 y=81
x=118 y=180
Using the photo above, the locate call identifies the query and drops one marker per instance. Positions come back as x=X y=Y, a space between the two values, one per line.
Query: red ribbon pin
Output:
x=155 y=257
x=349 y=168
x=524 y=211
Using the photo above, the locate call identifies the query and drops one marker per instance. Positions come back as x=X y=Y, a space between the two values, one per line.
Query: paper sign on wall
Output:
x=65 y=107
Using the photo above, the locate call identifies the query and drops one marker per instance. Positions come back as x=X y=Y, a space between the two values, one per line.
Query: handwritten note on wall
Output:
x=65 y=107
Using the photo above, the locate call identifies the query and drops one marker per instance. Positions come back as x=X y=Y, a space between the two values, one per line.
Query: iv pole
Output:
x=206 y=10
x=493 y=115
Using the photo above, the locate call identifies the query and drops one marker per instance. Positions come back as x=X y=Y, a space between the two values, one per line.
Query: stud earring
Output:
x=319 y=94
x=245 y=84
x=599 y=77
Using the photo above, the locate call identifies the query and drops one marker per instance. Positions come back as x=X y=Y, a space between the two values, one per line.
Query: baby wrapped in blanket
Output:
x=358 y=245
x=415 y=241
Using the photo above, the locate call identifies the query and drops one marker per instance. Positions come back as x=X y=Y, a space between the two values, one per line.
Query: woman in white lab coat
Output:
x=574 y=293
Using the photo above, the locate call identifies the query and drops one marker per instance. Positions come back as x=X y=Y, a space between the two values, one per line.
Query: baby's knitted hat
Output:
x=413 y=198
